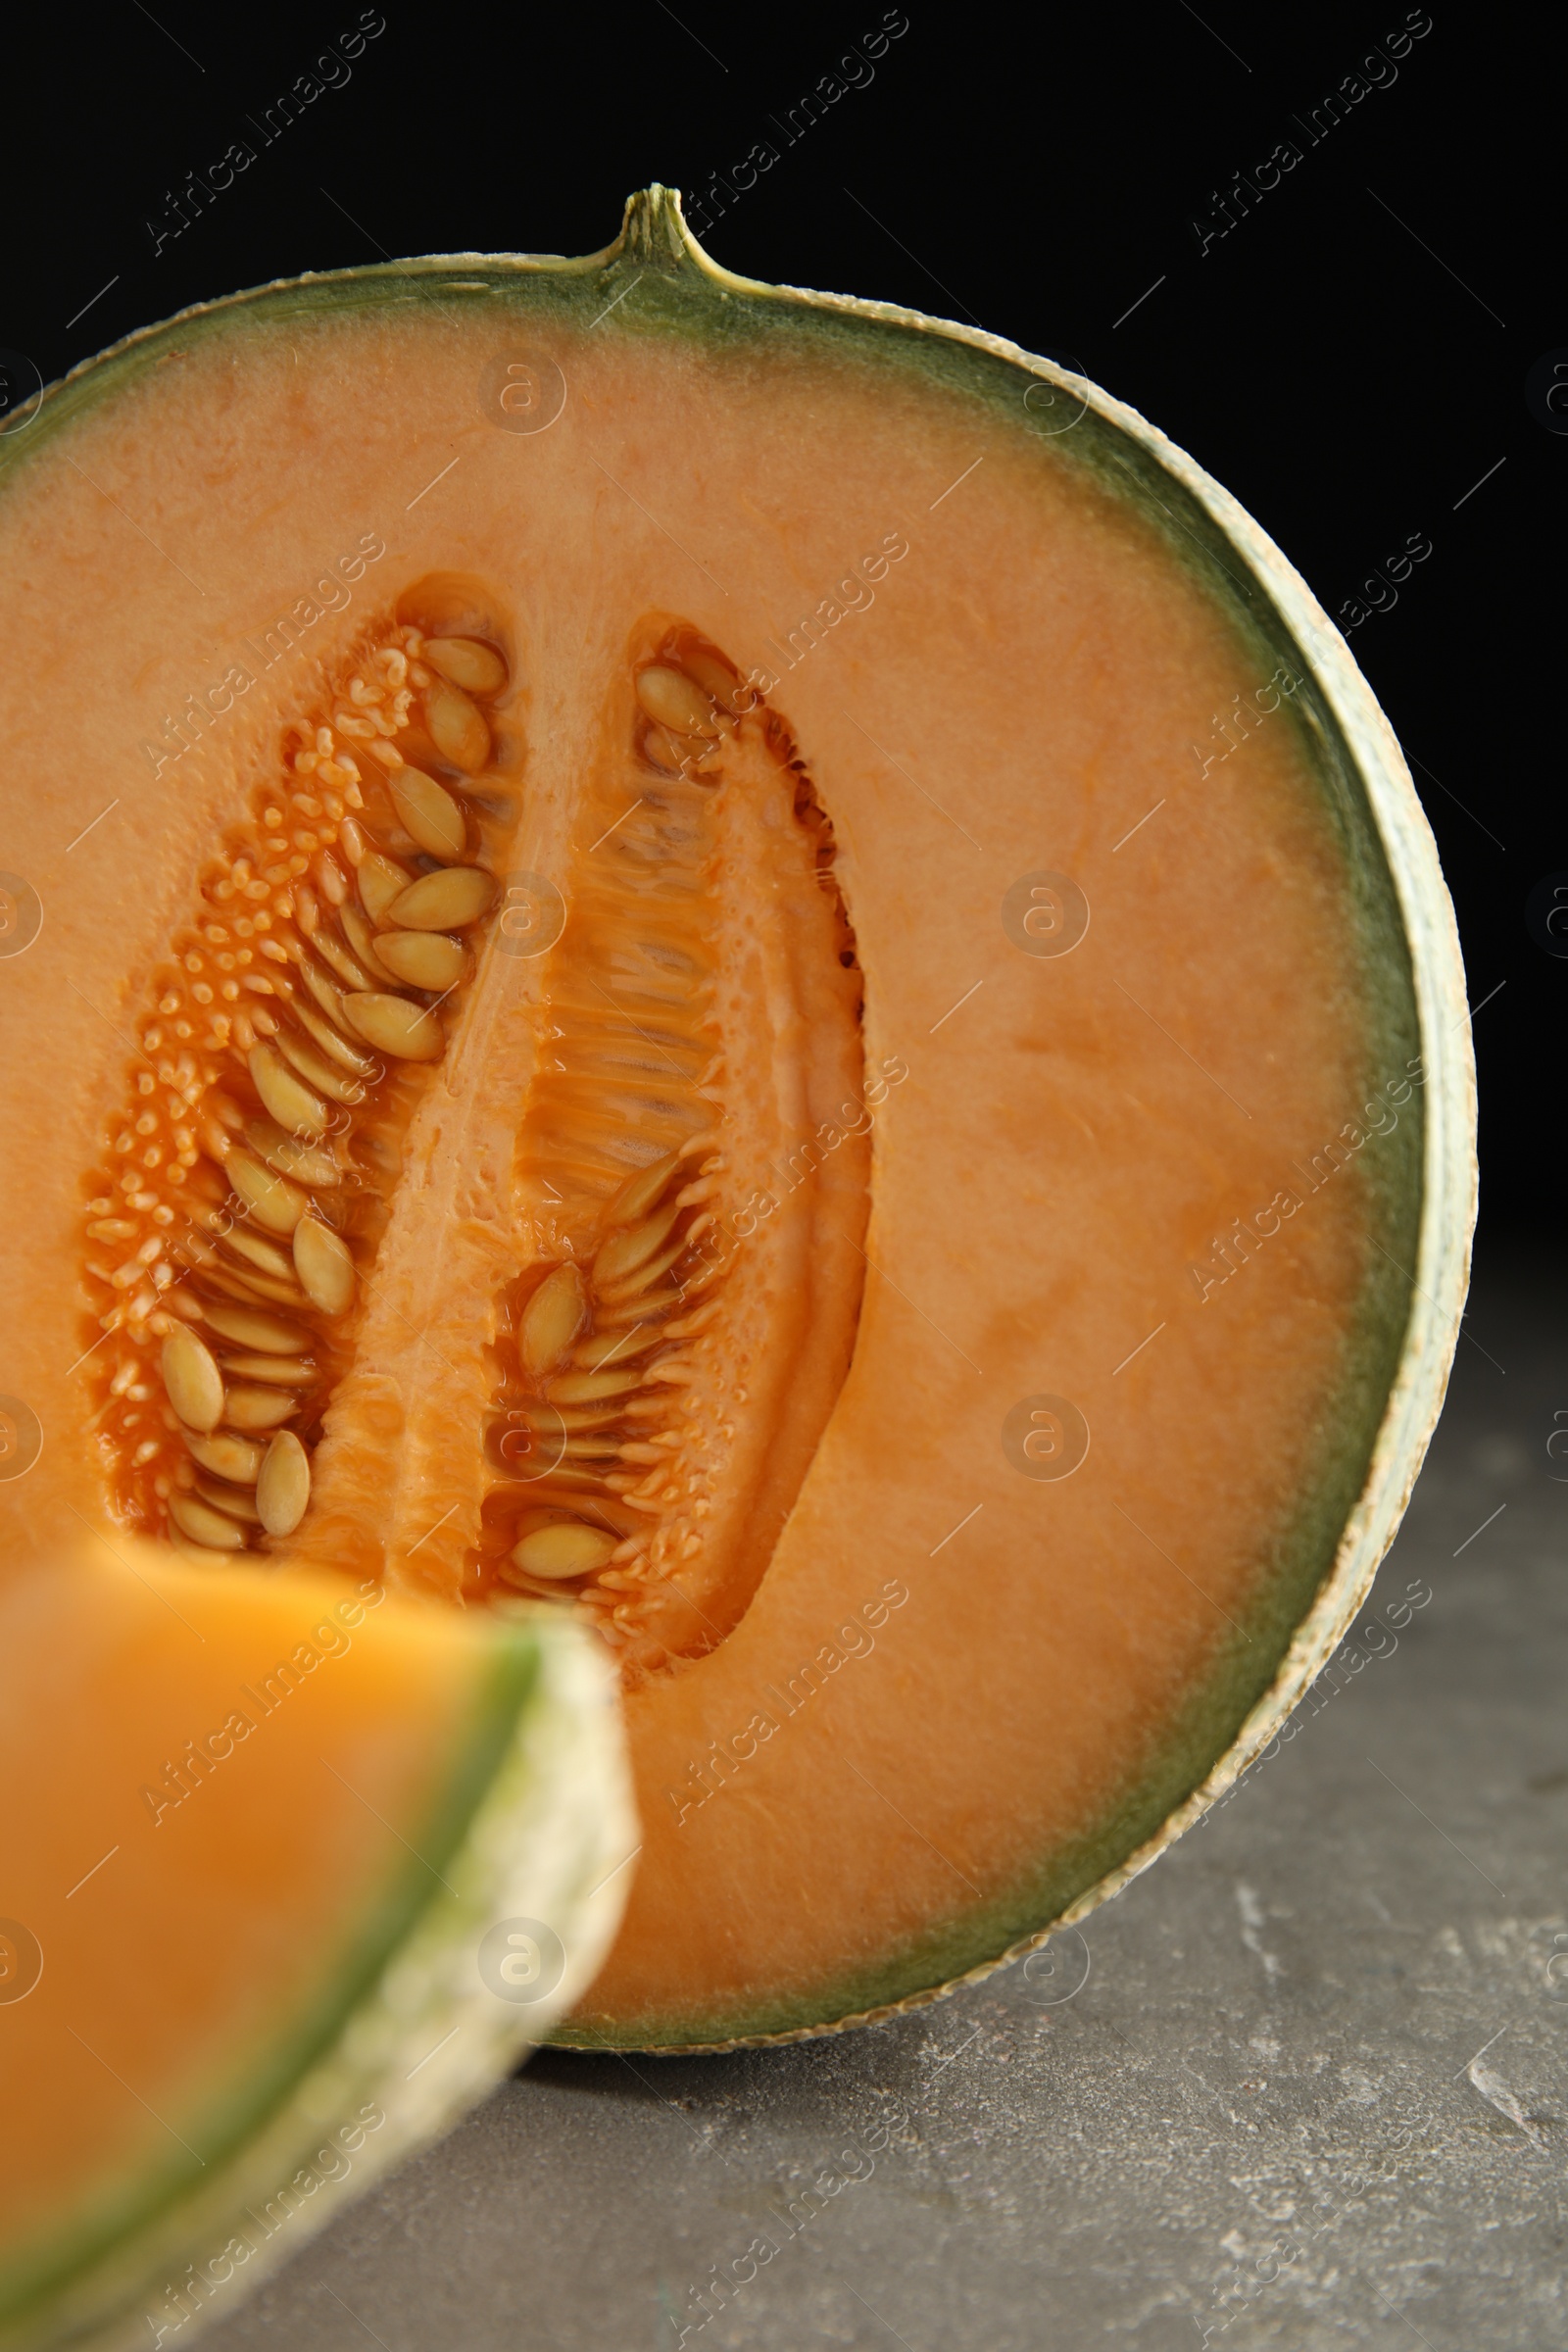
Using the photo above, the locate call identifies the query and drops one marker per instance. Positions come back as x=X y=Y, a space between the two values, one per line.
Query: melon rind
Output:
x=551 y=1838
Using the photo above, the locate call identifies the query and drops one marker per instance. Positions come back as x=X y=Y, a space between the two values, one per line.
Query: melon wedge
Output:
x=751 y=965
x=260 y=1831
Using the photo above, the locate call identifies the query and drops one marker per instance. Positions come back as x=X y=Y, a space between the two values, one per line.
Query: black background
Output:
x=1350 y=359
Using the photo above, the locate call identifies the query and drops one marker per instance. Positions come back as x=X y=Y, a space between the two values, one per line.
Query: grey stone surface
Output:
x=1311 y=2093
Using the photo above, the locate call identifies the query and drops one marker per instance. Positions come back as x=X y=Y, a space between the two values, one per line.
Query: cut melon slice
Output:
x=762 y=973
x=292 y=1874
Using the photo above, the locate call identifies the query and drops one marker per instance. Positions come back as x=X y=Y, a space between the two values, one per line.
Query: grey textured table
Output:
x=1310 y=2093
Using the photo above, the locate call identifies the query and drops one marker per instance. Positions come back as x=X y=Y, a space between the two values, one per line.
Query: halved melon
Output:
x=266 y=1841
x=746 y=963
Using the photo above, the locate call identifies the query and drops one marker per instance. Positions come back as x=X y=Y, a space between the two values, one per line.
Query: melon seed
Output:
x=258 y=1409
x=278 y=1371
x=381 y=879
x=465 y=662
x=715 y=677
x=233 y=1499
x=248 y=1327
x=620 y=1295
x=317 y=1070
x=585 y=1388
x=237 y=1459
x=329 y=998
x=325 y=1266
x=292 y=1103
x=348 y=968
x=563 y=1547
x=671 y=700
x=204 y=1525
x=330 y=1039
x=552 y=1423
x=457 y=729
x=272 y=1201
x=624 y=1252
x=357 y=931
x=283 y=1488
x=427 y=811
x=250 y=1285
x=308 y=1162
x=603 y=1349
x=421 y=959
x=395 y=1026
x=636 y=1306
x=552 y=1320
x=638 y=1194
x=445 y=902
x=257 y=1250
x=192 y=1379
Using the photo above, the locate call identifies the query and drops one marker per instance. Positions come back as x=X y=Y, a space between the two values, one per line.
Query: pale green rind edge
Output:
x=552 y=1840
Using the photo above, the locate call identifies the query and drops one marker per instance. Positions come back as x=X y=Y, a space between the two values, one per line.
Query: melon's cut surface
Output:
x=260 y=1830
x=764 y=975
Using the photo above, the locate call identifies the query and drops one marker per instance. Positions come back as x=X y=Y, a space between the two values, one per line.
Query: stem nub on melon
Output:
x=782 y=989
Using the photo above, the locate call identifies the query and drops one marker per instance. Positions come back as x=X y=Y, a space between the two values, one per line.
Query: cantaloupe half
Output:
x=748 y=964
x=266 y=1838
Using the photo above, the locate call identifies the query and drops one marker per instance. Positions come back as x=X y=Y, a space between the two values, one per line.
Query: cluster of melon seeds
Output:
x=664 y=1382
x=689 y=1162
x=245 y=1185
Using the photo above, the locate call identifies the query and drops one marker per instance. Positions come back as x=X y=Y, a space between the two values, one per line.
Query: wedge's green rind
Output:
x=534 y=1821
x=1421 y=1199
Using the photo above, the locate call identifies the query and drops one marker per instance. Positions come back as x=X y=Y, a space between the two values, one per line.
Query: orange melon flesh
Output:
x=192 y=1944
x=240 y=1799
x=947 y=1695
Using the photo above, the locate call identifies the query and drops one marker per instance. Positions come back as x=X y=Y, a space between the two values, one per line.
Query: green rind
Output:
x=1412 y=985
x=541 y=1827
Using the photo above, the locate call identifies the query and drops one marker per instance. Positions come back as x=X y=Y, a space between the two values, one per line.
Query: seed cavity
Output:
x=278 y=1063
x=644 y=1451
x=689 y=1174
